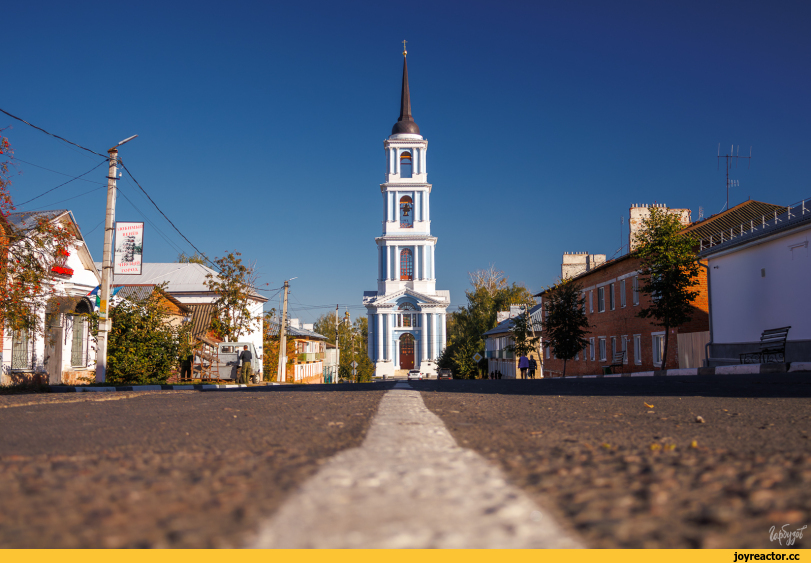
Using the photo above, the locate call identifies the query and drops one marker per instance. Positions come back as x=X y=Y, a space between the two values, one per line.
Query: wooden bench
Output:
x=772 y=348
x=617 y=362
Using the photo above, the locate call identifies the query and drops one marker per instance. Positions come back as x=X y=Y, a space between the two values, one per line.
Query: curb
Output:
x=720 y=370
x=200 y=387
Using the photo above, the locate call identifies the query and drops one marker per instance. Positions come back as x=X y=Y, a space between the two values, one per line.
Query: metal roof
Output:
x=200 y=318
x=25 y=220
x=180 y=277
x=764 y=226
x=142 y=292
x=505 y=326
x=732 y=218
x=272 y=330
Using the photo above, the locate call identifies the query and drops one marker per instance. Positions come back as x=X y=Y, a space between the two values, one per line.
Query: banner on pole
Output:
x=129 y=247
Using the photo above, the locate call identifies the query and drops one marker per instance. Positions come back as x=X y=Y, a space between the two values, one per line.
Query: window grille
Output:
x=406 y=264
x=20 y=358
x=77 y=352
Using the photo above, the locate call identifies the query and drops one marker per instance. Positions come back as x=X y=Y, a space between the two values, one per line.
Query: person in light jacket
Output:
x=523 y=365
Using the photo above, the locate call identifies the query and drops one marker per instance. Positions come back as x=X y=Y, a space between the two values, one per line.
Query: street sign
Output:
x=477 y=358
x=354 y=364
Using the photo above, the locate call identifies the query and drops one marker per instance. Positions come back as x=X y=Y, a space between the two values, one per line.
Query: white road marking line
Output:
x=409 y=485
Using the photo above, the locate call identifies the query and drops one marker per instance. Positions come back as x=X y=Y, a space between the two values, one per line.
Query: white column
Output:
x=423 y=338
x=391 y=160
x=390 y=337
x=442 y=333
x=424 y=262
x=396 y=262
x=424 y=160
x=397 y=160
x=379 y=336
x=417 y=160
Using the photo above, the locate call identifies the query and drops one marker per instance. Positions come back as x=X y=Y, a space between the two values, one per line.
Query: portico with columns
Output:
x=406 y=314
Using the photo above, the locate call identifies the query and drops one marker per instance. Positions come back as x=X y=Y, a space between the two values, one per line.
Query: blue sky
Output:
x=261 y=125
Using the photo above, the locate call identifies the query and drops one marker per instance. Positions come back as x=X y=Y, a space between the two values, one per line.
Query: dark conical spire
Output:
x=405 y=123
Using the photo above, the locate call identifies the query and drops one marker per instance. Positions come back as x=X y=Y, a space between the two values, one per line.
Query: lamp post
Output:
x=107 y=265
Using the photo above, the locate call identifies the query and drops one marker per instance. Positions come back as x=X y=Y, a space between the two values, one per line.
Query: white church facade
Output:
x=406 y=314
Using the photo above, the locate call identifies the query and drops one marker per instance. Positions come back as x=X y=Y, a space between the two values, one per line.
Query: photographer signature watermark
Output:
x=789 y=535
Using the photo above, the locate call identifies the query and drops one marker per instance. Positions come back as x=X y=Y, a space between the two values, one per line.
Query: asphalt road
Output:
x=625 y=462
x=202 y=469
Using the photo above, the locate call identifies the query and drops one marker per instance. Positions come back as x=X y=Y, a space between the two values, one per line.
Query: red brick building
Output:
x=612 y=302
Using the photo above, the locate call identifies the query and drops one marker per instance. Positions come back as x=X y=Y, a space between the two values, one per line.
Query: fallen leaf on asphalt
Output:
x=700 y=419
x=693 y=444
x=335 y=424
x=607 y=446
x=647 y=405
x=655 y=447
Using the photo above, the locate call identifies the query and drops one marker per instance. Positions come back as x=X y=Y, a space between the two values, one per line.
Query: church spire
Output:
x=405 y=123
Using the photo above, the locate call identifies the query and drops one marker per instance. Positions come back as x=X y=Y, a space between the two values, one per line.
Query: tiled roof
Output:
x=505 y=326
x=792 y=216
x=732 y=218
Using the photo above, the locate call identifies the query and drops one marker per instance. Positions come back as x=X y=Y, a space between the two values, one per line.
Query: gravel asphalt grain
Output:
x=164 y=469
x=626 y=464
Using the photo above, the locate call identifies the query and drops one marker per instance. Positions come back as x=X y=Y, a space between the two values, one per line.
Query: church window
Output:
x=405 y=165
x=406 y=264
x=408 y=318
x=406 y=212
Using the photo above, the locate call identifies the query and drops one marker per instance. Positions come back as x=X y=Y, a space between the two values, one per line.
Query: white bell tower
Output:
x=406 y=314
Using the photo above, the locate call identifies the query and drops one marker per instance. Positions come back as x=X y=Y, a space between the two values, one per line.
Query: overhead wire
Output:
x=64 y=184
x=58 y=172
x=53 y=135
x=68 y=199
x=124 y=166
x=148 y=220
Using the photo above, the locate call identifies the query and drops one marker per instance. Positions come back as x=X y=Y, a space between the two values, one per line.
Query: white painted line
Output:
x=743 y=368
x=800 y=366
x=409 y=485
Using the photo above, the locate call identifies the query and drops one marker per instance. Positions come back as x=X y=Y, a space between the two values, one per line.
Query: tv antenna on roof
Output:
x=728 y=157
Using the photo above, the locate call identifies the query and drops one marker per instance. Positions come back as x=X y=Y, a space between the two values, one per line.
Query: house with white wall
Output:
x=759 y=275
x=186 y=282
x=64 y=351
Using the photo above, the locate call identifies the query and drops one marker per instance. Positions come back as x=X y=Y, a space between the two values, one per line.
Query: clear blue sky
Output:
x=261 y=124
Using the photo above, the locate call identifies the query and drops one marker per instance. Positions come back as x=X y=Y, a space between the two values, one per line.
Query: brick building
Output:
x=613 y=300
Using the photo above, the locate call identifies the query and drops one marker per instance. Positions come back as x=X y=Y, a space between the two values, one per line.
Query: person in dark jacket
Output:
x=523 y=365
x=533 y=365
x=245 y=371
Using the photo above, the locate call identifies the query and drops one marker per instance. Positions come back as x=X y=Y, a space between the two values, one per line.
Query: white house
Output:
x=406 y=313
x=186 y=282
x=759 y=279
x=64 y=352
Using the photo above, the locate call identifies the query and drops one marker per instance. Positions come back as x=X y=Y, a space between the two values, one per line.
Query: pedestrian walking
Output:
x=533 y=365
x=185 y=366
x=523 y=365
x=245 y=370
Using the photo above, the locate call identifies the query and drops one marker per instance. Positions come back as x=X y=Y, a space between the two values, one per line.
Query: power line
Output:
x=68 y=199
x=124 y=166
x=148 y=220
x=58 y=172
x=60 y=185
x=52 y=135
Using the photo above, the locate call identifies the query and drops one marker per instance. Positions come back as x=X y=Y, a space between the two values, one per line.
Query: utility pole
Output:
x=283 y=338
x=107 y=265
x=337 y=354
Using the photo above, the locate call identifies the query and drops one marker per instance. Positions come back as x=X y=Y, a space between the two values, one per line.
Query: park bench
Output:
x=772 y=348
x=617 y=362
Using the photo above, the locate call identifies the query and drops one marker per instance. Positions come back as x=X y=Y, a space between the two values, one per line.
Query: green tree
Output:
x=143 y=347
x=669 y=269
x=522 y=333
x=490 y=294
x=195 y=258
x=565 y=324
x=351 y=336
x=234 y=286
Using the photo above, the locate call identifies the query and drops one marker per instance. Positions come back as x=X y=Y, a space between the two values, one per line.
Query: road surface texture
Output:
x=627 y=462
x=611 y=460
x=164 y=469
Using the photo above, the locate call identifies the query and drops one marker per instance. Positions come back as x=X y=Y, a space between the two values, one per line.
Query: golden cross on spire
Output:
x=404 y=47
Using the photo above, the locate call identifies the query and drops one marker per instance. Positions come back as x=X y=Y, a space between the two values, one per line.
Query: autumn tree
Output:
x=522 y=334
x=195 y=258
x=234 y=285
x=565 y=325
x=669 y=271
x=353 y=339
x=31 y=252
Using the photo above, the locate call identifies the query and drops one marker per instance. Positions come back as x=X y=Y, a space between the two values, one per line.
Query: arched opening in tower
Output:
x=405 y=165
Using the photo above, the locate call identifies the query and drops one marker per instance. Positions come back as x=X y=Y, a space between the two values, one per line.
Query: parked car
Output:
x=415 y=374
x=444 y=373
